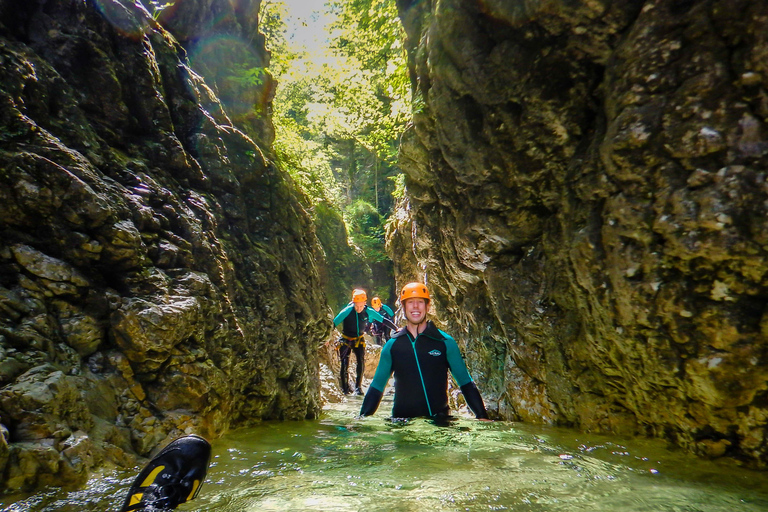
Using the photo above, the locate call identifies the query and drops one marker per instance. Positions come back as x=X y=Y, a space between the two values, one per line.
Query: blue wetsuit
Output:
x=421 y=369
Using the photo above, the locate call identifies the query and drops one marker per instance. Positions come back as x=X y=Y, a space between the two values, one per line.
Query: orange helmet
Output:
x=376 y=303
x=414 y=291
x=359 y=295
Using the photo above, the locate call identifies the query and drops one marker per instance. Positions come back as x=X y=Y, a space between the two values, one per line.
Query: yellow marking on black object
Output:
x=151 y=477
x=195 y=485
x=136 y=499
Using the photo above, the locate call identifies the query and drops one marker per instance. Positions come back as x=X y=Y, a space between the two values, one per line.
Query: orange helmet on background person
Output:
x=376 y=303
x=359 y=295
x=414 y=291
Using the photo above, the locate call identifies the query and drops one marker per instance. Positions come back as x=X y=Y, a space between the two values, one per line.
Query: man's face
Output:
x=416 y=310
x=359 y=306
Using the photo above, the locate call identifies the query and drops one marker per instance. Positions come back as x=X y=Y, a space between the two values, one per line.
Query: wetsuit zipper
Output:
x=418 y=367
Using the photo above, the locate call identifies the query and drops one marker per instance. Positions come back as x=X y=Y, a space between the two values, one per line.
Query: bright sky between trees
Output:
x=308 y=23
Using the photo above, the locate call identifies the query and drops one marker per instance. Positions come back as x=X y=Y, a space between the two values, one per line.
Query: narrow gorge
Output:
x=586 y=197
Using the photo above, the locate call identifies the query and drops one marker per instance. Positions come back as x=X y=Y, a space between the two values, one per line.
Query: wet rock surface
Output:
x=330 y=369
x=587 y=200
x=158 y=275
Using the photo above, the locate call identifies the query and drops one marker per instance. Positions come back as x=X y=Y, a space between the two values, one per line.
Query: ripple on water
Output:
x=340 y=463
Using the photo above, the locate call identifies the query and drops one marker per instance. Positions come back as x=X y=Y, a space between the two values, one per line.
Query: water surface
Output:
x=340 y=463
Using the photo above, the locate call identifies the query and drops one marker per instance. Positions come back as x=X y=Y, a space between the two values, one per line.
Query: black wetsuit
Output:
x=421 y=369
x=379 y=330
x=353 y=325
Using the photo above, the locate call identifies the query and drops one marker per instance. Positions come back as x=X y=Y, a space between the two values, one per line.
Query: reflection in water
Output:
x=340 y=463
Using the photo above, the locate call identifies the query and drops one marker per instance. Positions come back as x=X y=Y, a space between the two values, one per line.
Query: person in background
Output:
x=378 y=330
x=420 y=356
x=354 y=320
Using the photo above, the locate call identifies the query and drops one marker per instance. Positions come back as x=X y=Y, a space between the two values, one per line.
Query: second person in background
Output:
x=378 y=329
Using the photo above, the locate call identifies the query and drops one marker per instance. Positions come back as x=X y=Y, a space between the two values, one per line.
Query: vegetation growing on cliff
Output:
x=338 y=115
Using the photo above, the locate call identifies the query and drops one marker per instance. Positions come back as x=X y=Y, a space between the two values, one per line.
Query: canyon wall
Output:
x=158 y=275
x=587 y=201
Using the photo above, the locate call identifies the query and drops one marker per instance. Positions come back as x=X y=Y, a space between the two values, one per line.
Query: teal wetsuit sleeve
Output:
x=384 y=369
x=342 y=315
x=381 y=377
x=373 y=314
x=456 y=362
x=463 y=379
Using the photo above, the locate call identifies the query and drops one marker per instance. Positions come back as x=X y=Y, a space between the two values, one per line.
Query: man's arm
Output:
x=342 y=315
x=375 y=315
x=389 y=323
x=463 y=379
x=474 y=400
x=380 y=378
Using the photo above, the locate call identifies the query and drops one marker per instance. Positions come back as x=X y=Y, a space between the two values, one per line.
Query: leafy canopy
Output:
x=339 y=111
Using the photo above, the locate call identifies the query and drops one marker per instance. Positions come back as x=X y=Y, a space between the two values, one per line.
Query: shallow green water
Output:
x=340 y=463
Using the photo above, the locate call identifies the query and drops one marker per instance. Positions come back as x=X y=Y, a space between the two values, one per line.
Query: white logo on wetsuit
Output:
x=434 y=353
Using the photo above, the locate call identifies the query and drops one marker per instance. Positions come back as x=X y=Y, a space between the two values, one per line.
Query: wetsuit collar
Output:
x=431 y=331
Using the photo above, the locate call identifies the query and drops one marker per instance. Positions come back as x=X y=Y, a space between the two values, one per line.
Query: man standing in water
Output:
x=354 y=320
x=420 y=356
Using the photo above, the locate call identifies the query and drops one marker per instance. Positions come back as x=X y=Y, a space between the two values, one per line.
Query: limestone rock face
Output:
x=587 y=200
x=223 y=43
x=157 y=273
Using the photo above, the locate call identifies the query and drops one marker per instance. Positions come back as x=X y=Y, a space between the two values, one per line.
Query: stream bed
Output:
x=341 y=463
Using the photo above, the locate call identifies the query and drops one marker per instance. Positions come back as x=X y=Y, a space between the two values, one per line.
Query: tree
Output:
x=338 y=116
x=374 y=97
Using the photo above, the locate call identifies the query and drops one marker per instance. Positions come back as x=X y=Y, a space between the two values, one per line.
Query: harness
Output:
x=355 y=341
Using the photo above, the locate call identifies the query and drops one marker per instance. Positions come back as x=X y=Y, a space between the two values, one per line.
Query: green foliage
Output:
x=399 y=181
x=363 y=218
x=249 y=76
x=374 y=95
x=272 y=16
x=366 y=229
x=338 y=116
x=307 y=163
x=417 y=103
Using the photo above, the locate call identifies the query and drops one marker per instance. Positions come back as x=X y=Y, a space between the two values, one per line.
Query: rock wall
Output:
x=587 y=200
x=224 y=45
x=157 y=273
